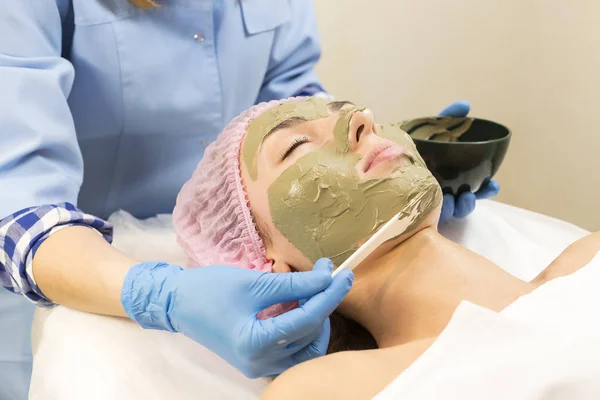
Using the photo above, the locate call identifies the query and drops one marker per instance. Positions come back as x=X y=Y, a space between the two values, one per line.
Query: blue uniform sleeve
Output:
x=296 y=50
x=21 y=235
x=40 y=161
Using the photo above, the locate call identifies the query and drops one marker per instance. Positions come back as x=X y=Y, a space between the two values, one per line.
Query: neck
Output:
x=411 y=292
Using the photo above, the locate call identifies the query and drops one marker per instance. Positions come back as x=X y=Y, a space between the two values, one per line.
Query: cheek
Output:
x=290 y=255
x=260 y=212
x=394 y=133
x=321 y=206
x=278 y=248
x=257 y=202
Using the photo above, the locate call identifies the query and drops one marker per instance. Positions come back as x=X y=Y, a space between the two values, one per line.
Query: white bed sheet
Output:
x=78 y=355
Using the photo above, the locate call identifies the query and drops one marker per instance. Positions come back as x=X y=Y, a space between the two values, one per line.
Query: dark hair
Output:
x=346 y=334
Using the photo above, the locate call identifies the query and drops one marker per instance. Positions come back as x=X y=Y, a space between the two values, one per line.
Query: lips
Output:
x=383 y=152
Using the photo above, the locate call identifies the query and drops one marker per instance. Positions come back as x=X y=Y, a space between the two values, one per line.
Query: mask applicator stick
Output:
x=392 y=229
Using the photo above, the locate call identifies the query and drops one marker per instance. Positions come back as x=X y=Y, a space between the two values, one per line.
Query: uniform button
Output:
x=199 y=37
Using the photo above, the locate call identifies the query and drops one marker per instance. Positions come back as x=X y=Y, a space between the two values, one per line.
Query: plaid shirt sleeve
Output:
x=22 y=233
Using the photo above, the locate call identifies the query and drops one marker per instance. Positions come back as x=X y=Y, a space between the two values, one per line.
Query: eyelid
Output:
x=297 y=142
x=286 y=124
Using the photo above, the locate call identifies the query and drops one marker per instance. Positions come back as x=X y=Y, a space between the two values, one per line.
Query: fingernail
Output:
x=347 y=275
x=328 y=262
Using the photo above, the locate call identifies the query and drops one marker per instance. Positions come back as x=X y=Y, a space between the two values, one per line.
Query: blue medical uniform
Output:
x=109 y=106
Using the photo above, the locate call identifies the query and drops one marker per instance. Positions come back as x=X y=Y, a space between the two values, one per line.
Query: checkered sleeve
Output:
x=23 y=232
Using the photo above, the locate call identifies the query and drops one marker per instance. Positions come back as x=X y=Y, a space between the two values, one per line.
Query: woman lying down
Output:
x=307 y=179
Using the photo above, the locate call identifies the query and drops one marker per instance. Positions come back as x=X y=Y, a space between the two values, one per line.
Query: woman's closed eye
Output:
x=299 y=141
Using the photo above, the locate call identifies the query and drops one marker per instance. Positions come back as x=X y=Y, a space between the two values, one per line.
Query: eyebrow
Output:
x=287 y=123
x=334 y=106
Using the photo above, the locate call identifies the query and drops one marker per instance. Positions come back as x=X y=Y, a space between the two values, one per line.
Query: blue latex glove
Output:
x=464 y=204
x=217 y=306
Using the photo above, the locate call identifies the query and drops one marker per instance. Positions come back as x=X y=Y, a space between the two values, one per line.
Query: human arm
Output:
x=42 y=167
x=41 y=162
x=78 y=268
x=216 y=306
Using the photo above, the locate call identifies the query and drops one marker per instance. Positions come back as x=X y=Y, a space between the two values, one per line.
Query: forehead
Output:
x=308 y=109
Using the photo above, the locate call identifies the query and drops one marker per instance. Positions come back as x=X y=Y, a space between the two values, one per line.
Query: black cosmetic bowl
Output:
x=464 y=165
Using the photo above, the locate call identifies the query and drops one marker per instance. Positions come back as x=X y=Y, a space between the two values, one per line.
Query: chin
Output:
x=430 y=220
x=432 y=217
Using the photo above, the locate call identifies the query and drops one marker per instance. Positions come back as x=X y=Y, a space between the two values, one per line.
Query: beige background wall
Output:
x=532 y=65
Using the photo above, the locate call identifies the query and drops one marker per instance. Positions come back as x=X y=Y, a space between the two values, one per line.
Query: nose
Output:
x=361 y=124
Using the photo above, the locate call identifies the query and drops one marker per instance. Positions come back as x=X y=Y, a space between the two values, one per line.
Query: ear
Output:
x=274 y=256
x=278 y=264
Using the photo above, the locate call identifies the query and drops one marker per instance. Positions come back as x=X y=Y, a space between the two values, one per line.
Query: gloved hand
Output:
x=464 y=204
x=217 y=306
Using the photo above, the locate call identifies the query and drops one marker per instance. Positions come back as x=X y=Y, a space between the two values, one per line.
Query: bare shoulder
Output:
x=320 y=378
x=345 y=375
x=577 y=255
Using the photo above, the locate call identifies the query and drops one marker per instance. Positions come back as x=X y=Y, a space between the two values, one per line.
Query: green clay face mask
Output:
x=321 y=205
